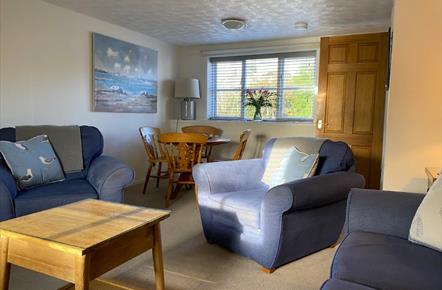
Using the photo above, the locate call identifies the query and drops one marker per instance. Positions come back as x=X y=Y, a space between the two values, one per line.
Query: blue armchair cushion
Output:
x=334 y=157
x=295 y=165
x=239 y=209
x=335 y=284
x=91 y=142
x=53 y=195
x=387 y=262
x=32 y=162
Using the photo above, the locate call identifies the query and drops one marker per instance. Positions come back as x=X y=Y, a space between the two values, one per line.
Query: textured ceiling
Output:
x=186 y=22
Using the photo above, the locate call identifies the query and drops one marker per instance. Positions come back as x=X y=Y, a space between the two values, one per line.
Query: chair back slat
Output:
x=242 y=144
x=182 y=150
x=209 y=131
x=149 y=135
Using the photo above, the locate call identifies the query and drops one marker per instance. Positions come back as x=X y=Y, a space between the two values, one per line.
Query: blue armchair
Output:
x=278 y=225
x=376 y=252
x=103 y=178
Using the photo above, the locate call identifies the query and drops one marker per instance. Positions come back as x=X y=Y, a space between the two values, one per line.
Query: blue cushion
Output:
x=387 y=262
x=53 y=195
x=239 y=209
x=294 y=165
x=334 y=157
x=91 y=142
x=32 y=162
x=334 y=284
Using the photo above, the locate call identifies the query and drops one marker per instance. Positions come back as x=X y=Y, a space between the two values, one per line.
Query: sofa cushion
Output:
x=294 y=166
x=239 y=209
x=426 y=228
x=91 y=142
x=32 y=162
x=53 y=195
x=335 y=284
x=387 y=262
x=334 y=157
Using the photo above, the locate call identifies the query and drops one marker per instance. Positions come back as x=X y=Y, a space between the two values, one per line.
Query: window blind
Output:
x=292 y=76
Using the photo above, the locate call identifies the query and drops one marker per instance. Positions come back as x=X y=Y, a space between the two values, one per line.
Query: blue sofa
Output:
x=276 y=226
x=103 y=178
x=376 y=253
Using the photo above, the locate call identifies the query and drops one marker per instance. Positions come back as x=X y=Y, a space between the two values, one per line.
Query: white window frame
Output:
x=264 y=51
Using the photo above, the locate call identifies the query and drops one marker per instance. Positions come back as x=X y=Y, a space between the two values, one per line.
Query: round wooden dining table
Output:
x=215 y=141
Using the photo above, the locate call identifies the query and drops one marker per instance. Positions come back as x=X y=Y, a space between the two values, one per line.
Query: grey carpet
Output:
x=191 y=263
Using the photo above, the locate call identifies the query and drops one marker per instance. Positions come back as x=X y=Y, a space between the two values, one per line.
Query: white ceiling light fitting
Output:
x=301 y=25
x=233 y=23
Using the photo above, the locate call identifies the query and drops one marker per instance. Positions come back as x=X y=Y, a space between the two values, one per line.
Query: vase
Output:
x=257 y=116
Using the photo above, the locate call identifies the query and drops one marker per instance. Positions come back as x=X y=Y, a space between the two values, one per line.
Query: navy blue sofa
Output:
x=278 y=225
x=103 y=178
x=376 y=253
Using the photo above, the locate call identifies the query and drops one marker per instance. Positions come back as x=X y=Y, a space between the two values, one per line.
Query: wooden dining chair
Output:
x=209 y=131
x=182 y=151
x=155 y=157
x=242 y=144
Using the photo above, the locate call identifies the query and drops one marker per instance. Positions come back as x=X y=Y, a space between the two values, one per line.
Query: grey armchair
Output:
x=275 y=226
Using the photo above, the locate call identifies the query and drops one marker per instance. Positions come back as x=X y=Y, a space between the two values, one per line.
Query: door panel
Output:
x=364 y=103
x=338 y=54
x=335 y=104
x=351 y=97
x=367 y=52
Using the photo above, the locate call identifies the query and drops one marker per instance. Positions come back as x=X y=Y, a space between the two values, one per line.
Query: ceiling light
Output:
x=233 y=23
x=301 y=25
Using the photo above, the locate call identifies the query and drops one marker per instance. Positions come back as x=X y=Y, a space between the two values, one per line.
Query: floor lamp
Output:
x=188 y=90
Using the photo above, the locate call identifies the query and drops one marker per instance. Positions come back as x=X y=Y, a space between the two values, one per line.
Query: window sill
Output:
x=264 y=122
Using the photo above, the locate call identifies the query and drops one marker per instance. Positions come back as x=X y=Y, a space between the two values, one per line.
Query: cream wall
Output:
x=45 y=75
x=413 y=136
x=193 y=62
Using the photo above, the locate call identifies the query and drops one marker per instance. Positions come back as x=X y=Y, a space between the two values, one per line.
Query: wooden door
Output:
x=351 y=97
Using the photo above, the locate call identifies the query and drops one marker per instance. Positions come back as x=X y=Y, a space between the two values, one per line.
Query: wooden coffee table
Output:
x=81 y=241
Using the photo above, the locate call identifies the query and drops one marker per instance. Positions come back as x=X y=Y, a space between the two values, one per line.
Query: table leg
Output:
x=183 y=177
x=82 y=272
x=158 y=258
x=5 y=267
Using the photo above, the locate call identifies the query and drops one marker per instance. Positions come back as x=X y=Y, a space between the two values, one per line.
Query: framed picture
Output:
x=125 y=76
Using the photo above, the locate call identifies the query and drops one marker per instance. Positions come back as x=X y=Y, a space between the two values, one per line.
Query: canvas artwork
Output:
x=125 y=76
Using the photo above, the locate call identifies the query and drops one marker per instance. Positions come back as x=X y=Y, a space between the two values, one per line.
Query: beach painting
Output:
x=125 y=76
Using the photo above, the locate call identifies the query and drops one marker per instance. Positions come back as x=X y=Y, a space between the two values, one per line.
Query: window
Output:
x=292 y=76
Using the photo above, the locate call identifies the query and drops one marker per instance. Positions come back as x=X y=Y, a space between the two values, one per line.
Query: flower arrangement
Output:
x=259 y=99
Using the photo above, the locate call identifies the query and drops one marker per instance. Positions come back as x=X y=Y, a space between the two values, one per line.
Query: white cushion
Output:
x=426 y=228
x=295 y=165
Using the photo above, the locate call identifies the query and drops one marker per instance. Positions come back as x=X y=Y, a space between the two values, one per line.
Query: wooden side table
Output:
x=81 y=241
x=432 y=174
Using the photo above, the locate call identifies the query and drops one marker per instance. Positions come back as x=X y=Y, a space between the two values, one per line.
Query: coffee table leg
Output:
x=158 y=258
x=82 y=272
x=5 y=267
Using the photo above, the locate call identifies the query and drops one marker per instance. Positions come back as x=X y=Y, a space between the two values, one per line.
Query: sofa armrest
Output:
x=109 y=177
x=320 y=190
x=383 y=212
x=228 y=176
x=8 y=191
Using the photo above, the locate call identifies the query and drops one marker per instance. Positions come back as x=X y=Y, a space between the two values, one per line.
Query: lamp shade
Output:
x=187 y=89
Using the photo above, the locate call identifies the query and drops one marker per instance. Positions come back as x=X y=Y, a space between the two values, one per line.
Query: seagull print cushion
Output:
x=32 y=162
x=426 y=228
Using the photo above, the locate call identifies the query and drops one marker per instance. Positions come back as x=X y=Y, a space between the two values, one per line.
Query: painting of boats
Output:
x=125 y=77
